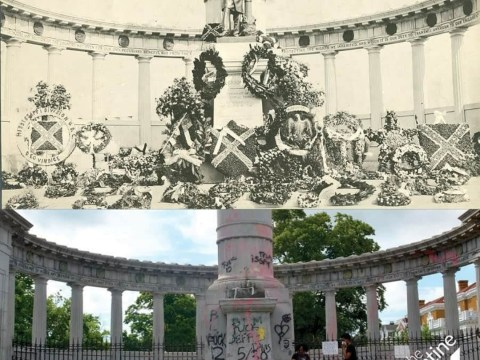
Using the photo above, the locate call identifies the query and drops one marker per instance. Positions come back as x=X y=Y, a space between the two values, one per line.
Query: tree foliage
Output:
x=179 y=316
x=58 y=316
x=302 y=238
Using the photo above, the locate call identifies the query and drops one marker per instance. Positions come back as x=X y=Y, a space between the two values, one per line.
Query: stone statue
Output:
x=232 y=10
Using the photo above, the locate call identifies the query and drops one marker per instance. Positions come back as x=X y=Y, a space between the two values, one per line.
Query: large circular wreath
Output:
x=209 y=91
x=413 y=155
x=93 y=138
x=342 y=127
x=250 y=61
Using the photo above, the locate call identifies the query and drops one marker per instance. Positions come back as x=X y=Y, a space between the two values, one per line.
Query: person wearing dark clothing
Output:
x=301 y=353
x=348 y=349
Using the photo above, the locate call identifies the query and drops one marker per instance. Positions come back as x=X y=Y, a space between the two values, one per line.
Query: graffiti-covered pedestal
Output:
x=248 y=312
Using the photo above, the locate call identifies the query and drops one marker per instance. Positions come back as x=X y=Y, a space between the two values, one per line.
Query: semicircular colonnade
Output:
x=26 y=253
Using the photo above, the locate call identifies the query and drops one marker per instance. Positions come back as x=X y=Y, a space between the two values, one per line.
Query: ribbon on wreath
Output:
x=182 y=154
x=176 y=131
x=231 y=147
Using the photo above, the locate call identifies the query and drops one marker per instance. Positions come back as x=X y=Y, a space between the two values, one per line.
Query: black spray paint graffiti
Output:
x=262 y=258
x=282 y=329
x=216 y=343
x=257 y=351
x=227 y=265
x=244 y=331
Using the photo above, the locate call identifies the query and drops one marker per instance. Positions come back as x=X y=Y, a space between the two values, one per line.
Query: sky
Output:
x=189 y=237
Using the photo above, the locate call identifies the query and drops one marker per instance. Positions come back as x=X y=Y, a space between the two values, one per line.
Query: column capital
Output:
x=188 y=59
x=412 y=280
x=373 y=49
x=371 y=286
x=460 y=31
x=76 y=285
x=450 y=271
x=41 y=279
x=52 y=49
x=14 y=42
x=329 y=54
x=419 y=41
x=200 y=296
x=115 y=291
x=476 y=262
x=330 y=291
x=97 y=55
x=144 y=58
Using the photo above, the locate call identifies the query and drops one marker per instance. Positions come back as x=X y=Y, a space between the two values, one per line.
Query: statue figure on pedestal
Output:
x=228 y=18
x=232 y=10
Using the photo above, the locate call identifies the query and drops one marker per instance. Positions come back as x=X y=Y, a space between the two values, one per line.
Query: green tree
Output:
x=179 y=317
x=58 y=316
x=302 y=238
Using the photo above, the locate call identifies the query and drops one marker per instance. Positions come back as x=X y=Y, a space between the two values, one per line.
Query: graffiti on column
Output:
x=262 y=258
x=216 y=344
x=248 y=336
x=227 y=265
x=282 y=329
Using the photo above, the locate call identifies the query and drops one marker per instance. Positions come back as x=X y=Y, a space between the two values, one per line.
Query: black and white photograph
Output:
x=213 y=104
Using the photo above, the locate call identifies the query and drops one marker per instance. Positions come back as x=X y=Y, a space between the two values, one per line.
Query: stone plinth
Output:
x=247 y=311
x=235 y=102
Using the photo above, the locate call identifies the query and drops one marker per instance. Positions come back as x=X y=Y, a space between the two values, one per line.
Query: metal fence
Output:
x=436 y=347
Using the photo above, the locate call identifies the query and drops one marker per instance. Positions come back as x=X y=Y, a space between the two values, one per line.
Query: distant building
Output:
x=432 y=313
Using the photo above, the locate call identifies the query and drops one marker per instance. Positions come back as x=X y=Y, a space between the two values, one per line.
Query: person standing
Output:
x=348 y=349
x=301 y=353
x=236 y=9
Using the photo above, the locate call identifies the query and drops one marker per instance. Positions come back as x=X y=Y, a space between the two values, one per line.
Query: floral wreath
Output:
x=415 y=156
x=365 y=190
x=333 y=122
x=100 y=140
x=254 y=86
x=209 y=91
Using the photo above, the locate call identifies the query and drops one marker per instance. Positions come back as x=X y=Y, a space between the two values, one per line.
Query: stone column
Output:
x=200 y=334
x=452 y=322
x=414 y=324
x=376 y=92
x=477 y=273
x=158 y=325
x=373 y=325
x=330 y=83
x=188 y=60
x=116 y=314
x=53 y=55
x=98 y=62
x=456 y=37
x=7 y=294
x=144 y=99
x=76 y=315
x=39 y=324
x=418 y=69
x=331 y=315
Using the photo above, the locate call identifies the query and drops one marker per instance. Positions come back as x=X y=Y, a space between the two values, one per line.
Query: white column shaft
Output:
x=98 y=62
x=144 y=99
x=76 y=315
x=452 y=322
x=456 y=38
x=39 y=324
x=6 y=293
x=477 y=273
x=11 y=305
x=373 y=329
x=53 y=57
x=158 y=319
x=330 y=83
x=331 y=315
x=418 y=70
x=376 y=91
x=116 y=317
x=414 y=325
x=188 y=68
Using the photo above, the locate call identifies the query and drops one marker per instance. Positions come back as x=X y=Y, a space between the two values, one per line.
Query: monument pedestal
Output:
x=235 y=102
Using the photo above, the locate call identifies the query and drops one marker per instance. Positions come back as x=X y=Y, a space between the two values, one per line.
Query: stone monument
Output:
x=248 y=313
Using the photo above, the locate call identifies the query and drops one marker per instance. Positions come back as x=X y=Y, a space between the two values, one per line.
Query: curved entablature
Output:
x=33 y=255
x=428 y=18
